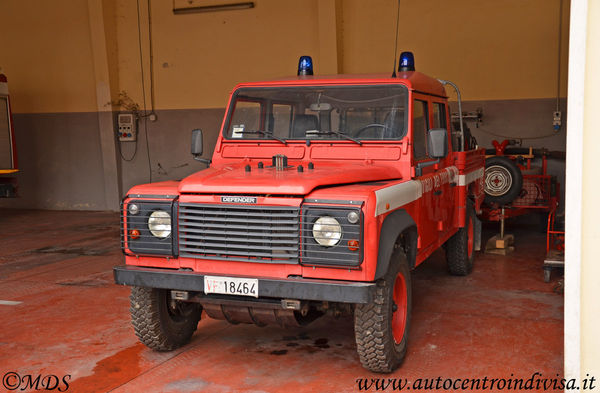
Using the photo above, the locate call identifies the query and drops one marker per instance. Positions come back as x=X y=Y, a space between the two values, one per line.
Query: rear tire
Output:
x=460 y=250
x=381 y=327
x=159 y=322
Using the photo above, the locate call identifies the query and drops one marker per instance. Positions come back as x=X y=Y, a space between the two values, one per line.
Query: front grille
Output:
x=267 y=234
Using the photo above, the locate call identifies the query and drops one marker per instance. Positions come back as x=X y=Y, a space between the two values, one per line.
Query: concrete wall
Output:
x=494 y=50
x=169 y=141
x=68 y=59
x=47 y=55
x=60 y=162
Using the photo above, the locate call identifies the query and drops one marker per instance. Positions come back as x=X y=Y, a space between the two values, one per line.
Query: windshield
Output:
x=318 y=112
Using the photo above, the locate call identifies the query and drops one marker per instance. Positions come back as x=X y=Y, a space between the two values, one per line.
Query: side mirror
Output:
x=197 y=146
x=197 y=142
x=437 y=142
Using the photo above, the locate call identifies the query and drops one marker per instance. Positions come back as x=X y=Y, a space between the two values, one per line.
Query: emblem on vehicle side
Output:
x=238 y=199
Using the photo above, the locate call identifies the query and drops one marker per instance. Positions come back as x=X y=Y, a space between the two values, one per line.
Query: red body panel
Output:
x=234 y=179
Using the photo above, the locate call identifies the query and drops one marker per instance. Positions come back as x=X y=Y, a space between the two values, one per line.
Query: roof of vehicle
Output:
x=414 y=80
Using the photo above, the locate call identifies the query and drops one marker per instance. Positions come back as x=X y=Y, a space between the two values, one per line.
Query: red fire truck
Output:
x=8 y=149
x=322 y=194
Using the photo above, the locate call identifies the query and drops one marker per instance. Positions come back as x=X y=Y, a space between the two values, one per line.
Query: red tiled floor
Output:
x=501 y=320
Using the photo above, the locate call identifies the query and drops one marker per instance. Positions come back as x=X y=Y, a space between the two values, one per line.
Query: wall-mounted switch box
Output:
x=557 y=120
x=127 y=130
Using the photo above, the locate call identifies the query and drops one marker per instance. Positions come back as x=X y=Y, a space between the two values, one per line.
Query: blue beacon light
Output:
x=407 y=62
x=305 y=66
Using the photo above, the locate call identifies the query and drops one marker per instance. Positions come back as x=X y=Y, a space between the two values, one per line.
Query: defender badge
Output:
x=238 y=199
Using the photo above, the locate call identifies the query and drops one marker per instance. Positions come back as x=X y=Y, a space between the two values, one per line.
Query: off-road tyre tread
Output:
x=372 y=324
x=457 y=253
x=151 y=323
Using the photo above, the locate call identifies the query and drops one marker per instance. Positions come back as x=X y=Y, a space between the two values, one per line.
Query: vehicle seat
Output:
x=394 y=122
x=302 y=123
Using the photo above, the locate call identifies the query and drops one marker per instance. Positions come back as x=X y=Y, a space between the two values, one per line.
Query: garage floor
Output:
x=67 y=317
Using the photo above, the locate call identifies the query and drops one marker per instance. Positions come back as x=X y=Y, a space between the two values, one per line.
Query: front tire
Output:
x=460 y=249
x=161 y=323
x=381 y=327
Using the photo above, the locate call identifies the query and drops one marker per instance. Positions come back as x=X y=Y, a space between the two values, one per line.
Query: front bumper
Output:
x=291 y=288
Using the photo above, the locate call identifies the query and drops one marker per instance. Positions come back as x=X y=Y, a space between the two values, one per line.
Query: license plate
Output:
x=231 y=286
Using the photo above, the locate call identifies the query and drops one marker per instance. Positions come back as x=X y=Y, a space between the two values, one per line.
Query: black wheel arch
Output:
x=398 y=227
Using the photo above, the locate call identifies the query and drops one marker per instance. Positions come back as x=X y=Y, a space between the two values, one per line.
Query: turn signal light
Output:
x=353 y=245
x=134 y=234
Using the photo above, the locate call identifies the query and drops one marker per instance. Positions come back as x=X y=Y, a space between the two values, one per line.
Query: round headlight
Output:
x=134 y=209
x=159 y=224
x=327 y=231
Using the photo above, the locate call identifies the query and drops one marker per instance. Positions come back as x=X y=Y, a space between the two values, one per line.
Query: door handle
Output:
x=437 y=192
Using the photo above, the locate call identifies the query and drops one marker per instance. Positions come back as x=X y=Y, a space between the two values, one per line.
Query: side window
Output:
x=282 y=119
x=420 y=126
x=439 y=115
x=246 y=117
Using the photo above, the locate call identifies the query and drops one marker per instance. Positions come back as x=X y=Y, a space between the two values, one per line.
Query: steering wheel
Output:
x=381 y=127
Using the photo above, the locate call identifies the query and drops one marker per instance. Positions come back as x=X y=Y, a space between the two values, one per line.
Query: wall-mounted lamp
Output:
x=213 y=8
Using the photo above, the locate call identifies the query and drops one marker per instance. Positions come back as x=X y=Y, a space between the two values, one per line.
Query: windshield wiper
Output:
x=263 y=133
x=316 y=132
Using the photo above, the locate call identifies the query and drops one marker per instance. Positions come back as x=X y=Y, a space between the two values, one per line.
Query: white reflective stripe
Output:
x=397 y=195
x=453 y=172
x=470 y=177
x=9 y=303
x=3 y=88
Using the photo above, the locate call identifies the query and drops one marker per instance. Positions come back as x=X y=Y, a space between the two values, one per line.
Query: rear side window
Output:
x=420 y=126
x=439 y=115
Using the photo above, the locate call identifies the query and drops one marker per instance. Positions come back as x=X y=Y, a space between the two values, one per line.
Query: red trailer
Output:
x=516 y=186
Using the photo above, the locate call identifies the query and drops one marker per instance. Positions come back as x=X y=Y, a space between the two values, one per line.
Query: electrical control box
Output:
x=127 y=127
x=556 y=120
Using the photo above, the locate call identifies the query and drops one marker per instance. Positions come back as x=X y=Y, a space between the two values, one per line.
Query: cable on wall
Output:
x=396 y=42
x=145 y=116
x=134 y=152
x=151 y=52
x=560 y=18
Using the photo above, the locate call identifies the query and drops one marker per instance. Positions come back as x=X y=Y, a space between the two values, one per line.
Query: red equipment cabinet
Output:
x=322 y=194
x=8 y=148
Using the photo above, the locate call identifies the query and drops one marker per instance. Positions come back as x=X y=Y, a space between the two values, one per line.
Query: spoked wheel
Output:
x=460 y=248
x=503 y=180
x=498 y=181
x=381 y=327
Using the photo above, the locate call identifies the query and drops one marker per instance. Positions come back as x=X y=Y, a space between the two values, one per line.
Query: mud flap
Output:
x=477 y=239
